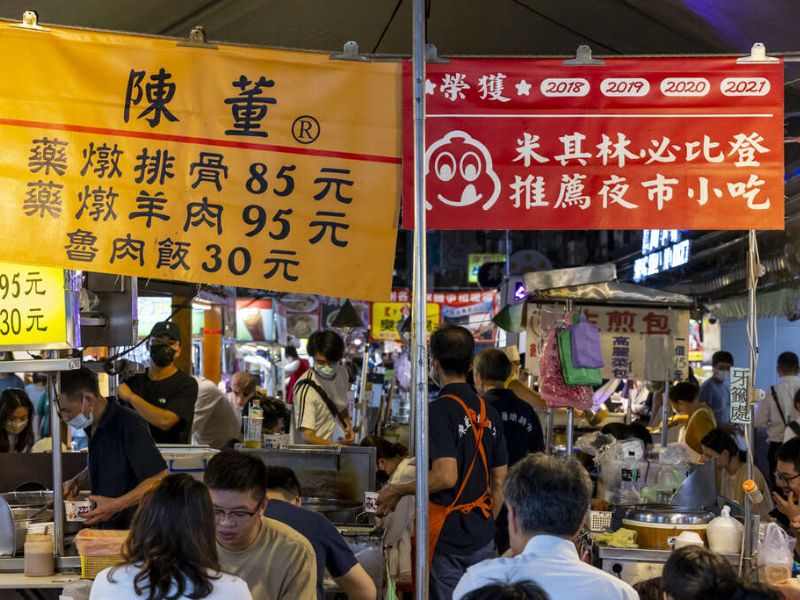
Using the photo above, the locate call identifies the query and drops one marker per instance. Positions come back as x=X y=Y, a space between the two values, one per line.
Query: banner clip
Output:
x=197 y=39
x=350 y=52
x=432 y=55
x=758 y=55
x=30 y=20
x=583 y=57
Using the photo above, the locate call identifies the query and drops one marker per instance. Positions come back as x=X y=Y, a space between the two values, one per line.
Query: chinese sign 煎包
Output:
x=682 y=143
x=32 y=307
x=636 y=343
x=237 y=166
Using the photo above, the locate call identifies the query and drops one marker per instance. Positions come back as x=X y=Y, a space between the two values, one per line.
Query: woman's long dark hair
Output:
x=172 y=541
x=10 y=400
x=719 y=441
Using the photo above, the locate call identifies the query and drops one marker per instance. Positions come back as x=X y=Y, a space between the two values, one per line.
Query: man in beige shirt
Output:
x=276 y=562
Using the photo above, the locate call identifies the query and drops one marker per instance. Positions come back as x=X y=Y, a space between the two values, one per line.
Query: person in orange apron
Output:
x=468 y=466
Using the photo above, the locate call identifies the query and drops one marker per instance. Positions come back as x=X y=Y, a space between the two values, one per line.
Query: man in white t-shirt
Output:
x=319 y=409
x=776 y=411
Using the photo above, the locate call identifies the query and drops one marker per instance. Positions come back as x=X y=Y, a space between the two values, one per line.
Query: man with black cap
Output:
x=164 y=396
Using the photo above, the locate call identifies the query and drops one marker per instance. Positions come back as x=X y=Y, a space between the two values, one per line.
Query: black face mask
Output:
x=162 y=356
x=381 y=478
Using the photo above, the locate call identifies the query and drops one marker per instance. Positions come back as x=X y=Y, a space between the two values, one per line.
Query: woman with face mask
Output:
x=393 y=460
x=16 y=417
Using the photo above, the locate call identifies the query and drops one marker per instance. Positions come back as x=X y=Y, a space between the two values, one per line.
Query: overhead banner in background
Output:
x=674 y=143
x=236 y=166
x=473 y=310
x=637 y=343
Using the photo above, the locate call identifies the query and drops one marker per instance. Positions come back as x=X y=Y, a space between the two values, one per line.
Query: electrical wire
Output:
x=388 y=24
x=112 y=368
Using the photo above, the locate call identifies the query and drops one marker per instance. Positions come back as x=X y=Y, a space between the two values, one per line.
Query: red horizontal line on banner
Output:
x=198 y=140
x=598 y=116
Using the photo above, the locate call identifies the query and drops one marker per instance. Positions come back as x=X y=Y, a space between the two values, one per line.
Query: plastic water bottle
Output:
x=255 y=418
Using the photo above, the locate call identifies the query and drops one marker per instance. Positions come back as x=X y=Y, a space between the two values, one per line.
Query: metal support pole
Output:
x=362 y=392
x=419 y=359
x=54 y=384
x=570 y=411
x=753 y=273
x=665 y=413
x=570 y=430
x=548 y=434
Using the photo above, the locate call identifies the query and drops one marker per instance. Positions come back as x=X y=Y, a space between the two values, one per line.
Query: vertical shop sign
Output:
x=738 y=411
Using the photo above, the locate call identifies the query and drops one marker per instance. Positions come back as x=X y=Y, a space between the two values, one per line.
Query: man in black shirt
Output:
x=457 y=420
x=164 y=396
x=333 y=553
x=521 y=426
x=123 y=461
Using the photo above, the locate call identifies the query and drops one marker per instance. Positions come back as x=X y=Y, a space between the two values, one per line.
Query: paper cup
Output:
x=76 y=509
x=371 y=502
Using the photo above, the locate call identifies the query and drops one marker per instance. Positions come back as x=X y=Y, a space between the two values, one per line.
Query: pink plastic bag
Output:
x=552 y=388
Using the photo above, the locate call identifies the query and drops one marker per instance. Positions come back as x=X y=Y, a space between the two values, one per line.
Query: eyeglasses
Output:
x=785 y=478
x=235 y=516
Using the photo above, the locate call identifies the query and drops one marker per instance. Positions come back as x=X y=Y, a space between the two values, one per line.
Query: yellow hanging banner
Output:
x=238 y=166
x=33 y=310
x=388 y=317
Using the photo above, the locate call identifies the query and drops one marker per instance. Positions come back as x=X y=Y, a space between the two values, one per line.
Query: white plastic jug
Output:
x=725 y=533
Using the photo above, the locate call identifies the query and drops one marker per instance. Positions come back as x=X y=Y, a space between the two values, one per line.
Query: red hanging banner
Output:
x=672 y=143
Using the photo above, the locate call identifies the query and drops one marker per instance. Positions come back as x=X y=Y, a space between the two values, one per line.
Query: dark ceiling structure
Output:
x=509 y=28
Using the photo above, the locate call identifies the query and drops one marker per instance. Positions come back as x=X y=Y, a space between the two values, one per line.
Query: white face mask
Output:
x=16 y=427
x=326 y=371
x=81 y=421
x=723 y=376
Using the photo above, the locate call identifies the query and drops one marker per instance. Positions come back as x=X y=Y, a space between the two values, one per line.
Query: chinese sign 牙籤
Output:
x=739 y=411
x=239 y=166
x=674 y=143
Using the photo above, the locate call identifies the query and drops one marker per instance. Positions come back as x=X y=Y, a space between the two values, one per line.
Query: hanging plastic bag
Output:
x=574 y=375
x=775 y=555
x=554 y=391
x=585 y=338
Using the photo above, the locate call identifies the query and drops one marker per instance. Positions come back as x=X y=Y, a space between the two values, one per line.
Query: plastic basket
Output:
x=92 y=565
x=599 y=520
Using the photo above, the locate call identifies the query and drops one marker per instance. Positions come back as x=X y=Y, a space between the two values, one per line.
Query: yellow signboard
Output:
x=239 y=166
x=387 y=317
x=32 y=307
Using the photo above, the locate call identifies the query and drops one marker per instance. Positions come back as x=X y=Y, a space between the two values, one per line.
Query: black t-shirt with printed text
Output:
x=178 y=394
x=521 y=427
x=451 y=436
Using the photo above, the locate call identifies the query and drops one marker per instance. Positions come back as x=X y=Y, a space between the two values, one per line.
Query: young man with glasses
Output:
x=276 y=562
x=164 y=396
x=787 y=480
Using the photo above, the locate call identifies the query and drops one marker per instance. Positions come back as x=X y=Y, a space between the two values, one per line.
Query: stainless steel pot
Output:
x=656 y=524
x=336 y=510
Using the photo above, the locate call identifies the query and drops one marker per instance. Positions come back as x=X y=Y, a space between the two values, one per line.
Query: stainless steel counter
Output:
x=634 y=565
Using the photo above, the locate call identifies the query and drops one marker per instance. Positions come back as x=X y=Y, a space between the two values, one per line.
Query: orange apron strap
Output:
x=437 y=514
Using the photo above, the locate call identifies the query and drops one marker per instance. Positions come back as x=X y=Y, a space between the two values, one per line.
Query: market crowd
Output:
x=504 y=516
